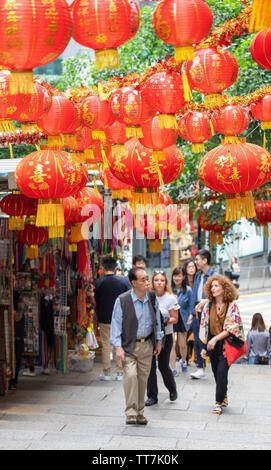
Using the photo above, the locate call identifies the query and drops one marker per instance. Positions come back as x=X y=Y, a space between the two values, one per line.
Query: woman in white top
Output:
x=169 y=307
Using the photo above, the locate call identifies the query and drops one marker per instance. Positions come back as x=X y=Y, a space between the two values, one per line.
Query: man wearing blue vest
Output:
x=202 y=260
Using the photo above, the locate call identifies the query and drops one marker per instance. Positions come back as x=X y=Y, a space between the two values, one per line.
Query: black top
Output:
x=19 y=323
x=106 y=291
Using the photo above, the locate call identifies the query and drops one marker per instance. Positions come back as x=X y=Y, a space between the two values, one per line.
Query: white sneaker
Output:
x=29 y=374
x=104 y=376
x=199 y=374
x=119 y=376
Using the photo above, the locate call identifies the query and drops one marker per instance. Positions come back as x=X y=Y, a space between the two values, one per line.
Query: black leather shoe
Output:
x=150 y=402
x=173 y=396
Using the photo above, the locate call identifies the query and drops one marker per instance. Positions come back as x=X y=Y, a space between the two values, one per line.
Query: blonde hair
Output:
x=167 y=286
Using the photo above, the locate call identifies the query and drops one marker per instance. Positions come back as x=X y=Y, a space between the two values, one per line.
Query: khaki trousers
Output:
x=106 y=349
x=136 y=370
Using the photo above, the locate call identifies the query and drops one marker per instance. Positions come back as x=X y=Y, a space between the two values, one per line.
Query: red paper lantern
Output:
x=217 y=227
x=17 y=205
x=263 y=215
x=140 y=170
x=116 y=134
x=8 y=103
x=97 y=115
x=164 y=91
x=231 y=120
x=212 y=71
x=103 y=25
x=156 y=138
x=70 y=209
x=37 y=105
x=129 y=106
x=134 y=18
x=32 y=33
x=236 y=170
x=260 y=48
x=61 y=119
x=90 y=208
x=50 y=175
x=262 y=111
x=120 y=190
x=196 y=126
x=32 y=236
x=182 y=23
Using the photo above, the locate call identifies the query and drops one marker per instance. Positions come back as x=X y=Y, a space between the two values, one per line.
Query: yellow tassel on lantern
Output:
x=72 y=247
x=11 y=151
x=50 y=213
x=89 y=154
x=29 y=127
x=158 y=155
x=134 y=131
x=32 y=251
x=264 y=140
x=265 y=231
x=76 y=233
x=118 y=150
x=198 y=147
x=21 y=82
x=213 y=99
x=182 y=53
x=260 y=15
x=146 y=197
x=16 y=223
x=240 y=205
x=54 y=140
x=121 y=194
x=156 y=246
x=266 y=125
x=56 y=231
x=107 y=58
x=6 y=125
x=216 y=238
x=186 y=87
x=98 y=134
x=232 y=139
x=69 y=140
x=167 y=121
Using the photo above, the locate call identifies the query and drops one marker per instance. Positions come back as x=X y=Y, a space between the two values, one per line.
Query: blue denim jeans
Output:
x=251 y=360
x=195 y=327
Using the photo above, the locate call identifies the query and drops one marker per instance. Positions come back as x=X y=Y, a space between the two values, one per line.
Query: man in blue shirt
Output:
x=202 y=260
x=136 y=334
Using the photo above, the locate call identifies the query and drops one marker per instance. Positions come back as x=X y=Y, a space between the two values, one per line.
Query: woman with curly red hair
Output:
x=220 y=319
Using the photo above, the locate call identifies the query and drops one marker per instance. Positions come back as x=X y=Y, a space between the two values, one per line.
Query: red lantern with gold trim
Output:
x=235 y=170
x=260 y=48
x=165 y=93
x=116 y=134
x=62 y=119
x=182 y=23
x=120 y=190
x=38 y=104
x=32 y=33
x=103 y=25
x=8 y=103
x=212 y=71
x=50 y=175
x=231 y=120
x=263 y=215
x=17 y=205
x=197 y=127
x=217 y=228
x=262 y=111
x=97 y=115
x=129 y=106
x=134 y=18
x=139 y=170
x=32 y=236
x=156 y=138
x=70 y=209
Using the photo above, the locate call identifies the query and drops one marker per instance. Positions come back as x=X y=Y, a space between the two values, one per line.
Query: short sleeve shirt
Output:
x=166 y=303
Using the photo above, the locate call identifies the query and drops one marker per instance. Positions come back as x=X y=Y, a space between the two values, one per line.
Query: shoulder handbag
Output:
x=261 y=360
x=152 y=298
x=234 y=348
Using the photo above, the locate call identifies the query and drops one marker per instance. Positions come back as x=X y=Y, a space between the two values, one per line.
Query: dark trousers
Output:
x=220 y=370
x=197 y=345
x=163 y=366
x=19 y=349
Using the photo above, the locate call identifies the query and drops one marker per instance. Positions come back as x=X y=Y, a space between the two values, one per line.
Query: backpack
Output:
x=152 y=298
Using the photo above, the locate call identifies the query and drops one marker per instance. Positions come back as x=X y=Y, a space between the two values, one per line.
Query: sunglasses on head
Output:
x=159 y=271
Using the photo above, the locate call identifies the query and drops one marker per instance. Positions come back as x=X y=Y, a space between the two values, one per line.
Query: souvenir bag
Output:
x=234 y=348
x=91 y=340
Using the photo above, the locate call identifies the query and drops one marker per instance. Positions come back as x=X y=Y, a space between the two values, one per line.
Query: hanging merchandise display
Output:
x=197 y=127
x=30 y=36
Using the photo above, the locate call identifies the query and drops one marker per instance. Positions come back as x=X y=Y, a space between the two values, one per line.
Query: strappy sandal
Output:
x=225 y=402
x=217 y=409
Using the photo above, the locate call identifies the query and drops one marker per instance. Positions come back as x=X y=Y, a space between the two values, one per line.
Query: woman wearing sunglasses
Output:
x=169 y=307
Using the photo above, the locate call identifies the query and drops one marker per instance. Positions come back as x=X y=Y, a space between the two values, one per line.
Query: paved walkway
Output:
x=74 y=411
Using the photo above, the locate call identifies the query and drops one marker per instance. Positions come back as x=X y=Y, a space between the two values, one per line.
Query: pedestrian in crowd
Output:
x=220 y=318
x=168 y=306
x=235 y=268
x=136 y=334
x=190 y=269
x=185 y=300
x=19 y=319
x=202 y=260
x=106 y=290
x=138 y=262
x=258 y=342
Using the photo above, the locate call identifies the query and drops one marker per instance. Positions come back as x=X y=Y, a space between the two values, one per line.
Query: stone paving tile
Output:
x=215 y=445
x=80 y=438
x=139 y=442
x=29 y=426
x=21 y=435
x=6 y=444
x=233 y=437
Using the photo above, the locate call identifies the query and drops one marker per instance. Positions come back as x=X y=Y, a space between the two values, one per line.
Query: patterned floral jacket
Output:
x=232 y=324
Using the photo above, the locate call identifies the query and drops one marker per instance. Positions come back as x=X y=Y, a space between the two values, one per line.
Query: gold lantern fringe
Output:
x=240 y=205
x=50 y=213
x=146 y=197
x=260 y=15
x=121 y=194
x=56 y=231
x=265 y=231
x=186 y=87
x=32 y=251
x=21 y=81
x=98 y=134
x=266 y=124
x=231 y=139
x=156 y=246
x=16 y=223
x=167 y=121
x=118 y=150
x=158 y=155
x=182 y=53
x=92 y=166
x=76 y=233
x=29 y=127
x=216 y=238
x=72 y=247
x=89 y=154
x=53 y=140
x=198 y=147
x=213 y=99
x=79 y=155
x=134 y=131
x=264 y=140
x=6 y=125
x=69 y=139
x=107 y=58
